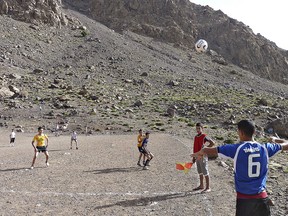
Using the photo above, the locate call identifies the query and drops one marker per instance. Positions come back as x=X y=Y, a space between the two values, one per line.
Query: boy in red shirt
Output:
x=202 y=163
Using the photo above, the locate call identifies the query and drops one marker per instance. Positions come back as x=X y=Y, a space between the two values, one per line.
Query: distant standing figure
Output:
x=74 y=138
x=57 y=130
x=12 y=138
x=140 y=139
x=146 y=152
x=40 y=146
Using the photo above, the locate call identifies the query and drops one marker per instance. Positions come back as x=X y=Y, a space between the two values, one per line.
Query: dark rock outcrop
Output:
x=35 y=11
x=278 y=126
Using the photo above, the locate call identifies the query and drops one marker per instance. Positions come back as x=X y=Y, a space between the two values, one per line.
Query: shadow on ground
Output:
x=145 y=201
x=13 y=169
x=115 y=170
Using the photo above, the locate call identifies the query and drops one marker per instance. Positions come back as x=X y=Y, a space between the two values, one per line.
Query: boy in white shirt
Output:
x=74 y=138
x=12 y=138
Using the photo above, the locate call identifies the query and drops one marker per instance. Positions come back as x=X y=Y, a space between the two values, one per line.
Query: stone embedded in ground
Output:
x=13 y=89
x=263 y=101
x=278 y=126
x=138 y=103
x=173 y=83
x=171 y=112
x=5 y=92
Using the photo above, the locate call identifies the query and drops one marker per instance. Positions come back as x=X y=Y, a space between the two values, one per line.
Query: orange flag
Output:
x=184 y=166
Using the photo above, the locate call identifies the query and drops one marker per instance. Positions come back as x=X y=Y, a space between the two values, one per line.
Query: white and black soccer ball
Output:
x=201 y=45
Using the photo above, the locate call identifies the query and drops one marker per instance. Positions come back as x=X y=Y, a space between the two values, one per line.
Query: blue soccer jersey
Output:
x=250 y=164
x=144 y=142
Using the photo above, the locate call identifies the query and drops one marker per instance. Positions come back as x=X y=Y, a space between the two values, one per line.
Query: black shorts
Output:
x=12 y=140
x=41 y=148
x=140 y=149
x=253 y=207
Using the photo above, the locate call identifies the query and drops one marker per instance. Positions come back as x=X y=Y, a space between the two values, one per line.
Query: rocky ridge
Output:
x=182 y=23
x=35 y=11
x=104 y=81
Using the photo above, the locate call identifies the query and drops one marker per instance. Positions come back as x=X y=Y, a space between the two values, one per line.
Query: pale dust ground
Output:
x=102 y=178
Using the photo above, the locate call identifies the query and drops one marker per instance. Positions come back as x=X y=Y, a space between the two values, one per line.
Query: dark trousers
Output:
x=252 y=207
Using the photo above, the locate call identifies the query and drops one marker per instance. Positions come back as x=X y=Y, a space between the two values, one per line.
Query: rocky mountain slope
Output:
x=181 y=23
x=74 y=71
x=87 y=77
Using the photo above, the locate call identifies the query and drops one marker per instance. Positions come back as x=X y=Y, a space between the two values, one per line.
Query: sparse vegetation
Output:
x=94 y=79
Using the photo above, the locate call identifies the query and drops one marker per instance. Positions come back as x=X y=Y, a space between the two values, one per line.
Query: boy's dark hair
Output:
x=40 y=128
x=199 y=125
x=140 y=130
x=148 y=132
x=247 y=127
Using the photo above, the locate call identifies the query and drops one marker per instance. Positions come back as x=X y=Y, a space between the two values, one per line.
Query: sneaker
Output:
x=144 y=163
x=76 y=148
x=145 y=168
x=31 y=167
x=147 y=163
x=139 y=164
x=71 y=147
x=47 y=164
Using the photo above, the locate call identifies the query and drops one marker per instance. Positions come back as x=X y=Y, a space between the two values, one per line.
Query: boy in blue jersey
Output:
x=146 y=152
x=250 y=168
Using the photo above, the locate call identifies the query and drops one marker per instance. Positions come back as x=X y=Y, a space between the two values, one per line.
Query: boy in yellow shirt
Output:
x=139 y=145
x=40 y=146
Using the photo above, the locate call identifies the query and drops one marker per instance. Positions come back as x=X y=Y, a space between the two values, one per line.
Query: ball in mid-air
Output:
x=201 y=45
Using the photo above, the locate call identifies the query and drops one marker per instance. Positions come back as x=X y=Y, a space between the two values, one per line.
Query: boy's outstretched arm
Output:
x=282 y=142
x=205 y=150
x=211 y=143
x=284 y=146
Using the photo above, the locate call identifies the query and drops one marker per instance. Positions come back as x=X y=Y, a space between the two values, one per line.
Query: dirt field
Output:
x=102 y=178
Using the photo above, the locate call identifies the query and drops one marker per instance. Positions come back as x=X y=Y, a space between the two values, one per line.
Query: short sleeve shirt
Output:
x=74 y=136
x=140 y=139
x=40 y=139
x=145 y=143
x=13 y=135
x=251 y=161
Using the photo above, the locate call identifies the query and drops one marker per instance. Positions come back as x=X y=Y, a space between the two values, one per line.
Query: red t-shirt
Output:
x=199 y=141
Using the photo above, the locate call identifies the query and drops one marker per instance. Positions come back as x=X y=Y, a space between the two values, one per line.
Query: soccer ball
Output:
x=201 y=45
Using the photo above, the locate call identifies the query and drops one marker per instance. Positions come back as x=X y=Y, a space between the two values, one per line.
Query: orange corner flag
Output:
x=184 y=166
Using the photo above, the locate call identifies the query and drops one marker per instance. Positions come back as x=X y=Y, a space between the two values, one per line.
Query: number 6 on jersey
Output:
x=254 y=164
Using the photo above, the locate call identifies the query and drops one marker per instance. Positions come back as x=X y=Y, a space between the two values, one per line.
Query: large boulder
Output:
x=278 y=126
x=4 y=8
x=35 y=11
x=5 y=93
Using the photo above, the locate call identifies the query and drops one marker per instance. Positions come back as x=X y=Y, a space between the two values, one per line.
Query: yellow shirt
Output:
x=40 y=139
x=140 y=139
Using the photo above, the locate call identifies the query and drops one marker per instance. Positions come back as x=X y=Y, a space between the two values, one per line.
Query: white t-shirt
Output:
x=13 y=135
x=74 y=136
